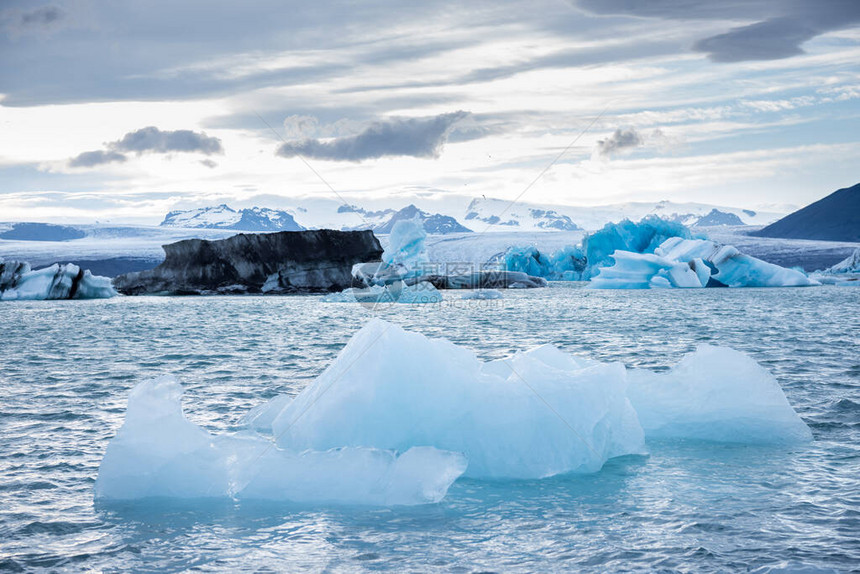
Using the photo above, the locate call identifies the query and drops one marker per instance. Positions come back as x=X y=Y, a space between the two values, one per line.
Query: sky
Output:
x=122 y=111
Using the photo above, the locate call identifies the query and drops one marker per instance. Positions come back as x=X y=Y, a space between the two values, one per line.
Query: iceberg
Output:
x=406 y=244
x=715 y=394
x=399 y=292
x=158 y=452
x=19 y=282
x=694 y=263
x=642 y=237
x=846 y=273
x=850 y=264
x=398 y=417
x=537 y=414
x=580 y=263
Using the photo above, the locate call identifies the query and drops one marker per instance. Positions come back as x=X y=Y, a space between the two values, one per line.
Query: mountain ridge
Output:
x=835 y=217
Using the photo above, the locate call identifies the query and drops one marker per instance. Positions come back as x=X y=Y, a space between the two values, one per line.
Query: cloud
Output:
x=620 y=140
x=150 y=140
x=43 y=16
x=97 y=157
x=769 y=40
x=299 y=126
x=38 y=22
x=416 y=137
x=208 y=163
x=779 y=28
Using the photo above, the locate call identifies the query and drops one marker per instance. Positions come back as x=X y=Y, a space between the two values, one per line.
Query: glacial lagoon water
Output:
x=66 y=368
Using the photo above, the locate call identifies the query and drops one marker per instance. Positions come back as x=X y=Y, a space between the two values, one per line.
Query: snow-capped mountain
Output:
x=257 y=219
x=434 y=224
x=518 y=216
x=502 y=215
x=717 y=217
x=381 y=221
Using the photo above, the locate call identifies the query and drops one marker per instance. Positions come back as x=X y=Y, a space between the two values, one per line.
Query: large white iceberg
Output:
x=398 y=417
x=537 y=414
x=158 y=452
x=19 y=282
x=694 y=263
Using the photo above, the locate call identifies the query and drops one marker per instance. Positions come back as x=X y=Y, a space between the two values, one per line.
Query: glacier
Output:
x=19 y=282
x=580 y=263
x=158 y=452
x=694 y=263
x=397 y=417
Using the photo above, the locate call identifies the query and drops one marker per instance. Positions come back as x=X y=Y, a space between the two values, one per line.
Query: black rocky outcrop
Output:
x=285 y=262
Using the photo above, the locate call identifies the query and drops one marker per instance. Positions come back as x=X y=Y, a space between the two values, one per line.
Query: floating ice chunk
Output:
x=734 y=268
x=679 y=262
x=406 y=244
x=846 y=273
x=850 y=264
x=399 y=292
x=528 y=417
x=715 y=394
x=55 y=282
x=160 y=453
x=483 y=294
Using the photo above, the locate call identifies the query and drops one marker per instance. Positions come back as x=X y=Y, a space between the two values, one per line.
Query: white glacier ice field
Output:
x=559 y=429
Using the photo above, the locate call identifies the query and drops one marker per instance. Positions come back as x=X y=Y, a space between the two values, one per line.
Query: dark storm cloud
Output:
x=620 y=140
x=150 y=140
x=779 y=27
x=97 y=157
x=417 y=137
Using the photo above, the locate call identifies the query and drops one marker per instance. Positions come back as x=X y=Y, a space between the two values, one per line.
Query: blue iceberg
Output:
x=694 y=263
x=19 y=282
x=580 y=263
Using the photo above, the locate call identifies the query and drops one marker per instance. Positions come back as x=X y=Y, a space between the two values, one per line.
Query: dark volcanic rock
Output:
x=285 y=262
x=834 y=218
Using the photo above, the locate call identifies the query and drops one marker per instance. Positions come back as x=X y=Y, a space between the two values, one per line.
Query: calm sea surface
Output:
x=66 y=368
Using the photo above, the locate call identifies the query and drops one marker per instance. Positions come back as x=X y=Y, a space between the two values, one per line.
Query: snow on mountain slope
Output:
x=497 y=214
x=257 y=219
x=434 y=224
